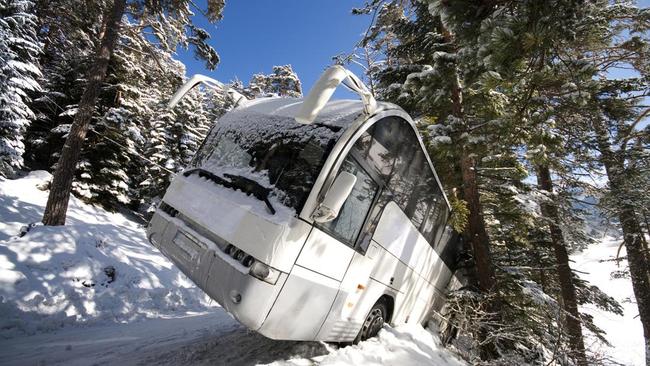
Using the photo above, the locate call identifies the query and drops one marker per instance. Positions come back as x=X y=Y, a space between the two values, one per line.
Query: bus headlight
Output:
x=265 y=273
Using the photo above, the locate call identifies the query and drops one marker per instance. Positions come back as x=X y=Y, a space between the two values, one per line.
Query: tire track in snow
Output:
x=207 y=339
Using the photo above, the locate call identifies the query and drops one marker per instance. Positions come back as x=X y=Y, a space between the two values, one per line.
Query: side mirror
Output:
x=329 y=209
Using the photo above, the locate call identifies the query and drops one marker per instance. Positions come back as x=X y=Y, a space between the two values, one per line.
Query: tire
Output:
x=373 y=323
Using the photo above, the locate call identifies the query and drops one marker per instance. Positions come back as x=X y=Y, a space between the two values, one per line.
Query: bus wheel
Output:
x=373 y=323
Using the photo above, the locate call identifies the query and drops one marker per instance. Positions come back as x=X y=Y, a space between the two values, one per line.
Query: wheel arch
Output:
x=389 y=301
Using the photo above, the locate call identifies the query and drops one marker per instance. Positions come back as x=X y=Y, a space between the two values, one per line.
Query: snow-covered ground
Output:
x=95 y=292
x=597 y=265
x=57 y=276
x=59 y=304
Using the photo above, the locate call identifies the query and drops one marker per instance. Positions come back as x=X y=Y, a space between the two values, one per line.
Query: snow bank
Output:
x=404 y=346
x=99 y=268
x=596 y=264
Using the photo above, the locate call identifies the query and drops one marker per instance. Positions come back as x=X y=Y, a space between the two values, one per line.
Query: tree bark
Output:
x=475 y=234
x=57 y=202
x=632 y=232
x=567 y=288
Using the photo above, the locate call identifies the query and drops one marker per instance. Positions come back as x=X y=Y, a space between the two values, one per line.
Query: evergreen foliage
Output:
x=134 y=144
x=283 y=82
x=114 y=168
x=19 y=74
x=498 y=82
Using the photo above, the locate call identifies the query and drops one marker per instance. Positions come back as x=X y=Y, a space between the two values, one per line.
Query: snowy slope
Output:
x=58 y=305
x=625 y=333
x=56 y=276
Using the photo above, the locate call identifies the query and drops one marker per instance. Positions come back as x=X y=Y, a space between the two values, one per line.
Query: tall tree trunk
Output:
x=57 y=202
x=632 y=232
x=475 y=234
x=567 y=288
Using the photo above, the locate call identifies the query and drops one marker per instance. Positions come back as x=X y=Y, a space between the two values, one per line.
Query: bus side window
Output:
x=392 y=149
x=348 y=224
x=384 y=197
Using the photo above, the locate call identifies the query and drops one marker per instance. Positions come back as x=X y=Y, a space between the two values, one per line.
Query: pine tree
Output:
x=471 y=71
x=19 y=71
x=140 y=80
x=113 y=158
x=425 y=77
x=619 y=164
x=172 y=139
x=172 y=26
x=610 y=111
x=283 y=82
x=67 y=37
x=57 y=203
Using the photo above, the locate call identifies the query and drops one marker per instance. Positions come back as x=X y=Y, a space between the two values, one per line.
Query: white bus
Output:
x=312 y=219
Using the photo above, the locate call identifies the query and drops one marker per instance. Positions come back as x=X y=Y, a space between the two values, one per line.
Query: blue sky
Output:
x=254 y=35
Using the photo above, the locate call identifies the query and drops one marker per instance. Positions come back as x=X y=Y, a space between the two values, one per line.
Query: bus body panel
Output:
x=424 y=285
x=325 y=255
x=358 y=293
x=313 y=284
x=414 y=297
x=301 y=307
x=220 y=276
x=195 y=239
x=387 y=270
x=407 y=244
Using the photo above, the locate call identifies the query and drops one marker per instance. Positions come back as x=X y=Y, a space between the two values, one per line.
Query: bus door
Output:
x=354 y=228
x=389 y=151
x=313 y=284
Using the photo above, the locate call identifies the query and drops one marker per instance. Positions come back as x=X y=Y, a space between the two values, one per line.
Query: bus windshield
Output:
x=276 y=152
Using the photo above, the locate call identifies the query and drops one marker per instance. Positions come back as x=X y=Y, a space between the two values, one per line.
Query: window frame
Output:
x=363 y=167
x=343 y=148
x=403 y=131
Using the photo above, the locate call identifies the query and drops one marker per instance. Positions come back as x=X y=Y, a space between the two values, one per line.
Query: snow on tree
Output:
x=19 y=71
x=282 y=82
x=67 y=37
x=162 y=26
x=141 y=76
x=173 y=136
x=469 y=73
x=133 y=88
x=599 y=119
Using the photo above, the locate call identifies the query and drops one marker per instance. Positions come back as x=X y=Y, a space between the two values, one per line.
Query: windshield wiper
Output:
x=250 y=186
x=208 y=175
x=244 y=184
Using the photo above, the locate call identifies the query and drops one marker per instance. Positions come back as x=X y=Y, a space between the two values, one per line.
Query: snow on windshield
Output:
x=274 y=151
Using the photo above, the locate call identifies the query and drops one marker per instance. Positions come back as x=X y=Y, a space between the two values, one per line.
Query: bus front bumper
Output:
x=223 y=278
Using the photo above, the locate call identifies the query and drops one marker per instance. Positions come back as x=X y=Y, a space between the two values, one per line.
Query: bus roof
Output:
x=339 y=113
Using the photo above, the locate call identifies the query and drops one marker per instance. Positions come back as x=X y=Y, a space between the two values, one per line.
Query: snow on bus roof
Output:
x=260 y=125
x=339 y=113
